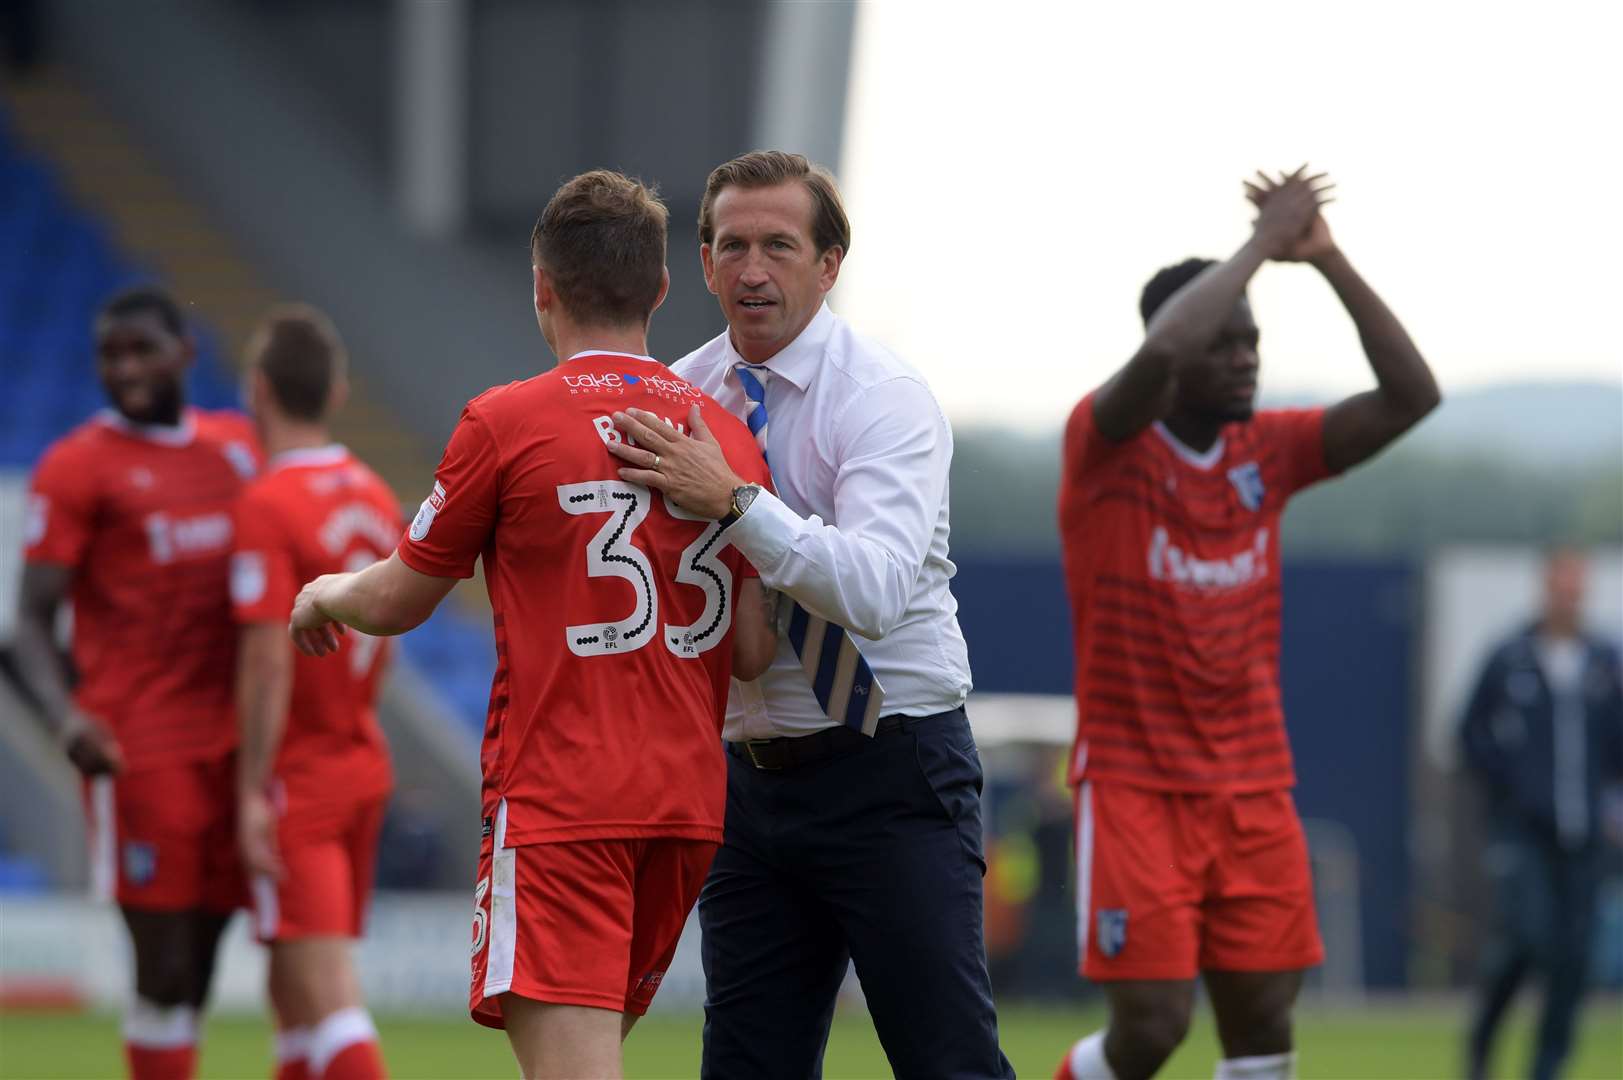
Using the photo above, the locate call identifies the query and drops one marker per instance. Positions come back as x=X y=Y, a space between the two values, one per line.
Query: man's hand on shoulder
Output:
x=691 y=470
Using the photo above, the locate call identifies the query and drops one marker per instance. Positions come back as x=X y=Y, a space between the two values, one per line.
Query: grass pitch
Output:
x=1391 y=1040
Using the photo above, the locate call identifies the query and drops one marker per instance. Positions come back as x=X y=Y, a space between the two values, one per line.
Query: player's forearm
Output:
x=1187 y=323
x=43 y=669
x=845 y=576
x=1403 y=378
x=1192 y=317
x=370 y=601
x=264 y=689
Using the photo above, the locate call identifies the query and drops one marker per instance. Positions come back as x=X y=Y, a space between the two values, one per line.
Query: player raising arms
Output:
x=1191 y=859
x=618 y=619
x=129 y=516
x=313 y=770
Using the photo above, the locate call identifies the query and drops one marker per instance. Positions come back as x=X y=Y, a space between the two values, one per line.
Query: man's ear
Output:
x=831 y=259
x=664 y=288
x=707 y=261
x=338 y=396
x=545 y=296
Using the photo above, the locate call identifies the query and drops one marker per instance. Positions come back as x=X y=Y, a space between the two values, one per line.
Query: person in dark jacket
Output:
x=1544 y=735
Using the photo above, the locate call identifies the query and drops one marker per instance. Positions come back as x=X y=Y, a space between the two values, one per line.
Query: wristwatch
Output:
x=743 y=495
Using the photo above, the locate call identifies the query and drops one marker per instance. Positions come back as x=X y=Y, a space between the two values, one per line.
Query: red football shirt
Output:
x=612 y=608
x=142 y=516
x=1172 y=565
x=314 y=512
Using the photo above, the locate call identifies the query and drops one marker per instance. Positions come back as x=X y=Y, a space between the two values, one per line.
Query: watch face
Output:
x=744 y=496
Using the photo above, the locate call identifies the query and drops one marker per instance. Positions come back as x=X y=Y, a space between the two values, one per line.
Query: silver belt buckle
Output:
x=749 y=748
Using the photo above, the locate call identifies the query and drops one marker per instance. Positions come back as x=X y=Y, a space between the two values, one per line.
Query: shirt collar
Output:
x=308 y=457
x=1200 y=459
x=180 y=434
x=799 y=360
x=610 y=352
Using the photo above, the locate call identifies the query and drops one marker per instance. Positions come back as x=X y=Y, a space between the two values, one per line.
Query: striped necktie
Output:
x=841 y=679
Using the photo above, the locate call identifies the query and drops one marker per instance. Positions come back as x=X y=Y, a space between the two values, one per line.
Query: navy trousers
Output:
x=1546 y=900
x=875 y=858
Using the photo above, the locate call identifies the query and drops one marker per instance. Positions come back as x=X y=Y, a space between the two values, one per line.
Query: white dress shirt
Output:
x=857 y=532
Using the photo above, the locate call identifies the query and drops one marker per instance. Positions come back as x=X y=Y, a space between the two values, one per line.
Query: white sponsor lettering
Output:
x=170 y=538
x=1169 y=562
x=592 y=383
x=658 y=384
x=247 y=578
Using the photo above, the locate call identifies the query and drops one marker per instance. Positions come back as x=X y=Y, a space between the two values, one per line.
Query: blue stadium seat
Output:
x=58 y=263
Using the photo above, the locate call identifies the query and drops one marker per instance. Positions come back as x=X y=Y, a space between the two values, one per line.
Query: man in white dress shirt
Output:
x=853 y=817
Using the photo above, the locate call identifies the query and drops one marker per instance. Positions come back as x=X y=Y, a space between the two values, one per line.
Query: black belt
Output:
x=793 y=752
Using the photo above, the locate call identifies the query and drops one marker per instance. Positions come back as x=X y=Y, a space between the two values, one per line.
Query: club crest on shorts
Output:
x=1247 y=481
x=1112 y=937
x=140 y=862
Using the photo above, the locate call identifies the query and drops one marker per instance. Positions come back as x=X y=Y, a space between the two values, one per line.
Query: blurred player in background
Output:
x=313 y=774
x=1191 y=859
x=618 y=620
x=1544 y=734
x=129 y=517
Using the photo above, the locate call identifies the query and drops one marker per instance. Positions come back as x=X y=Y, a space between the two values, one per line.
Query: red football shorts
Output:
x=165 y=838
x=1169 y=884
x=582 y=922
x=329 y=855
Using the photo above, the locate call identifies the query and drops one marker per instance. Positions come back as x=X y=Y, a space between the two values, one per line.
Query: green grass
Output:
x=1389 y=1040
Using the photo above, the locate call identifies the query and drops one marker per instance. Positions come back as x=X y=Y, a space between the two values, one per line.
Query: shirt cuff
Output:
x=766 y=532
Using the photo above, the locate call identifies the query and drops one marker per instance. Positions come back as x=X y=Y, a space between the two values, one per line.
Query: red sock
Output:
x=170 y=1063
x=357 y=1061
x=1061 y=1073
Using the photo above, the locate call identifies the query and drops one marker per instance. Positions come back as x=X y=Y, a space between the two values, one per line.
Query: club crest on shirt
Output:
x=1112 y=937
x=1247 y=481
x=140 y=862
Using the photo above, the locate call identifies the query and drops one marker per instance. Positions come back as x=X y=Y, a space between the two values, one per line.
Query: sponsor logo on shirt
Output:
x=1247 y=481
x=36 y=511
x=427 y=512
x=142 y=477
x=1169 y=562
x=171 y=538
x=670 y=388
x=590 y=383
x=247 y=578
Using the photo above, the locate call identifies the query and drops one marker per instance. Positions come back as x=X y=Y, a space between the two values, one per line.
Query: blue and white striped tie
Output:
x=841 y=679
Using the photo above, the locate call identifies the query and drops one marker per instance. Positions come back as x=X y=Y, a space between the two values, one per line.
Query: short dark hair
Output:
x=602 y=241
x=145 y=298
x=1168 y=280
x=302 y=356
x=769 y=168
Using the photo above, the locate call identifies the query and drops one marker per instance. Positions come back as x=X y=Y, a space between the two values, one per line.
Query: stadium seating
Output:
x=57 y=265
